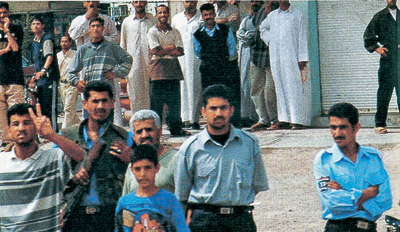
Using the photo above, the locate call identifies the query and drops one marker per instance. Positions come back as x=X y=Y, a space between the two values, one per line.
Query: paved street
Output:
x=292 y=203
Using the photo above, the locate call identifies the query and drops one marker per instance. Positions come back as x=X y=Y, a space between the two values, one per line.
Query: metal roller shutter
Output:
x=348 y=71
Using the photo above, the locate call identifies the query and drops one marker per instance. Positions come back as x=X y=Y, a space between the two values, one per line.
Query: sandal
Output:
x=381 y=130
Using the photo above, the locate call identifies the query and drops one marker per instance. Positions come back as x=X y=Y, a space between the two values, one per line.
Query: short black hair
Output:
x=97 y=19
x=220 y=91
x=5 y=5
x=144 y=152
x=345 y=110
x=69 y=38
x=207 y=7
x=98 y=86
x=19 y=109
x=38 y=18
x=162 y=5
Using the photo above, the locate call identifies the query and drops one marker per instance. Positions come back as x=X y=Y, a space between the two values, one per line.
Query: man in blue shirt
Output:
x=220 y=170
x=352 y=182
x=97 y=206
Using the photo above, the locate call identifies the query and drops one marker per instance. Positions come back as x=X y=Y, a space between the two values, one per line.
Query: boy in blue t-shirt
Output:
x=149 y=208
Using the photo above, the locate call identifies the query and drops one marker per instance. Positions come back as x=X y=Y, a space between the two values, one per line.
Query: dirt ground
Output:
x=292 y=203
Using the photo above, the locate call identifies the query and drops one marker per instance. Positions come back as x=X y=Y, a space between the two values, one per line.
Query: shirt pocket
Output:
x=241 y=174
x=376 y=178
x=206 y=169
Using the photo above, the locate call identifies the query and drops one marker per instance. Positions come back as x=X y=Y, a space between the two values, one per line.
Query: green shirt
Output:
x=164 y=178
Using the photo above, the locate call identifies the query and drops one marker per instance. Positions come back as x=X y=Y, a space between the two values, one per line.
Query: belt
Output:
x=219 y=209
x=356 y=222
x=93 y=209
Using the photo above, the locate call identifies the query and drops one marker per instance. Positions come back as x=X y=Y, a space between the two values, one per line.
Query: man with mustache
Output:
x=96 y=208
x=382 y=36
x=11 y=74
x=215 y=45
x=351 y=179
x=32 y=178
x=165 y=44
x=220 y=170
x=133 y=40
x=147 y=129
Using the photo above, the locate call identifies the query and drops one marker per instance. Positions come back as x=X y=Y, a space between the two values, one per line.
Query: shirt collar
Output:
x=169 y=28
x=67 y=53
x=195 y=16
x=337 y=154
x=100 y=44
x=145 y=17
x=204 y=136
x=35 y=155
x=86 y=136
x=290 y=9
x=36 y=39
x=208 y=30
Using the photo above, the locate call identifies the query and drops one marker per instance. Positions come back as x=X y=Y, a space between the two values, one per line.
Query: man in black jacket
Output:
x=381 y=36
x=215 y=45
x=11 y=75
x=47 y=73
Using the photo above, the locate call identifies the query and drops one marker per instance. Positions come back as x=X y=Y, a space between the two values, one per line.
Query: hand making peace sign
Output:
x=42 y=123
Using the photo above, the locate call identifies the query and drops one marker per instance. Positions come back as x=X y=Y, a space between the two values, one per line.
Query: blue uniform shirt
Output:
x=210 y=173
x=332 y=165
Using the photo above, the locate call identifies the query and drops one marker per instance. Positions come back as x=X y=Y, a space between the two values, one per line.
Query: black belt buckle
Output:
x=92 y=209
x=226 y=210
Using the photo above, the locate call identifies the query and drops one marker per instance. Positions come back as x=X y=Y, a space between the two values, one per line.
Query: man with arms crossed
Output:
x=33 y=179
x=165 y=44
x=220 y=170
x=352 y=182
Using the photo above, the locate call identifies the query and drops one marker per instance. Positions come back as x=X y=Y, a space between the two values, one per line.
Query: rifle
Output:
x=73 y=192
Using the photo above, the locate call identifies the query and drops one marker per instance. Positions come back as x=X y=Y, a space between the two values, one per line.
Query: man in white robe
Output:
x=79 y=29
x=187 y=22
x=133 y=39
x=284 y=31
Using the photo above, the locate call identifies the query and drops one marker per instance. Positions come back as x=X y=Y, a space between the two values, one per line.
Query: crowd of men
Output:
x=170 y=64
x=100 y=177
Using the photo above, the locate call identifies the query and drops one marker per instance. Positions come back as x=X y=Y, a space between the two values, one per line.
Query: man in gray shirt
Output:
x=220 y=170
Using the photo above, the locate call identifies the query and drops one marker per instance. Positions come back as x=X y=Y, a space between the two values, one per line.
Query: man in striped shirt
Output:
x=31 y=179
x=100 y=59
